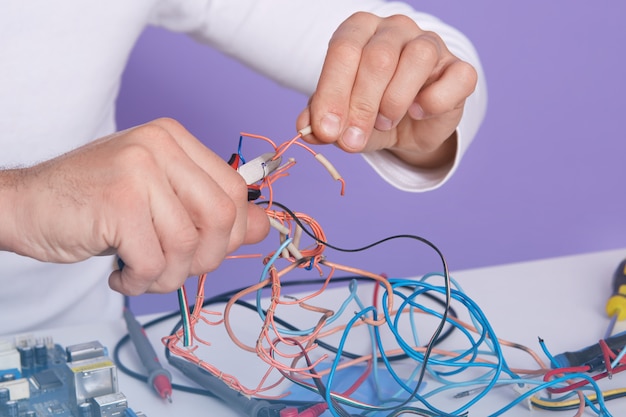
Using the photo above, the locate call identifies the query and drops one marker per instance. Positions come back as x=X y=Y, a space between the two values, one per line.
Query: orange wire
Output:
x=271 y=345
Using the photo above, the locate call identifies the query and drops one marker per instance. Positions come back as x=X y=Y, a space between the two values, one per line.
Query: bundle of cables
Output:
x=321 y=365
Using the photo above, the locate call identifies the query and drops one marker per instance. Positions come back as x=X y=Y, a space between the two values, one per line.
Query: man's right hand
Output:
x=153 y=194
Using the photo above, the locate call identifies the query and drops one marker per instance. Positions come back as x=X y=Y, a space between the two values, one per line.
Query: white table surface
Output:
x=561 y=300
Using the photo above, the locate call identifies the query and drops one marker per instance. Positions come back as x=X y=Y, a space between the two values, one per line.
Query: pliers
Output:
x=255 y=170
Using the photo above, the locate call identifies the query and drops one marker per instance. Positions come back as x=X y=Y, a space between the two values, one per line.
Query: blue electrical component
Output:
x=39 y=378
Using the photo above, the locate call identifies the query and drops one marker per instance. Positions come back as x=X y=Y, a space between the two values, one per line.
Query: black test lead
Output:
x=158 y=377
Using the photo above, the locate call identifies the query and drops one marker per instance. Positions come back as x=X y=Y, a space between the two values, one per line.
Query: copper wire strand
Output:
x=255 y=136
x=275 y=348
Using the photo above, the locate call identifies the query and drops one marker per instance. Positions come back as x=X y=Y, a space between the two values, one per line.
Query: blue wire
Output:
x=353 y=286
x=335 y=363
x=474 y=311
x=432 y=312
x=395 y=376
x=455 y=295
x=546 y=352
x=556 y=365
x=239 y=147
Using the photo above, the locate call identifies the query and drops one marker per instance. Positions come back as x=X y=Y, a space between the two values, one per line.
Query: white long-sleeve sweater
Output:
x=60 y=70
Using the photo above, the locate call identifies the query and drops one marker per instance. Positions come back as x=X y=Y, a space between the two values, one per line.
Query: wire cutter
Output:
x=255 y=170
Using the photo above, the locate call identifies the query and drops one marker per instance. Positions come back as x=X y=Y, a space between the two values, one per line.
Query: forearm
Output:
x=10 y=182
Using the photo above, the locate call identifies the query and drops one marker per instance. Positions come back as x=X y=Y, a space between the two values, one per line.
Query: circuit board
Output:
x=39 y=378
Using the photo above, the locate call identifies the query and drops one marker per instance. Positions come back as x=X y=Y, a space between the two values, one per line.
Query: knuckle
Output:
x=425 y=49
x=468 y=74
x=393 y=106
x=237 y=189
x=187 y=240
x=359 y=18
x=166 y=123
x=382 y=57
x=401 y=20
x=135 y=154
x=345 y=47
x=426 y=53
x=155 y=131
x=362 y=111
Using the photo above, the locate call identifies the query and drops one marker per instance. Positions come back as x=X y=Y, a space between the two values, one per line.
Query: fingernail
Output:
x=383 y=123
x=416 y=111
x=353 y=138
x=331 y=125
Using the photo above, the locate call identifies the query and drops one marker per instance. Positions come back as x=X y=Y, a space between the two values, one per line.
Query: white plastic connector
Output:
x=18 y=388
x=522 y=389
x=9 y=356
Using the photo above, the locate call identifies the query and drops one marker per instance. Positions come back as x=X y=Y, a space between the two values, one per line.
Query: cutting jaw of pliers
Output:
x=258 y=168
x=255 y=171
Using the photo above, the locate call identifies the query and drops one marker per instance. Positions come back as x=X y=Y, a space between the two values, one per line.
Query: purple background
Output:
x=543 y=178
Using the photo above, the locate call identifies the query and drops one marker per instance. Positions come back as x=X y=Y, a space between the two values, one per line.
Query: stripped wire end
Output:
x=464 y=394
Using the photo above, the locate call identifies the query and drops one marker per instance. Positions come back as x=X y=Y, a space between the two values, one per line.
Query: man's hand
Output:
x=153 y=194
x=387 y=84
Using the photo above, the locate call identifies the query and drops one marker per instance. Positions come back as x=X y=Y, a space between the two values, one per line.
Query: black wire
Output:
x=438 y=336
x=225 y=297
x=448 y=296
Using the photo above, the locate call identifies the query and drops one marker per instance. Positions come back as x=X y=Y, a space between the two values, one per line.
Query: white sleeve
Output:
x=287 y=40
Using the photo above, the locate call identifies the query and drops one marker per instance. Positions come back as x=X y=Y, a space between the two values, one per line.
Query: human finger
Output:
x=222 y=174
x=448 y=92
x=417 y=66
x=330 y=104
x=194 y=214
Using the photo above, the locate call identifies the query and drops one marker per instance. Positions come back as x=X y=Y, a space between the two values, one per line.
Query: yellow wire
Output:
x=540 y=402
